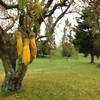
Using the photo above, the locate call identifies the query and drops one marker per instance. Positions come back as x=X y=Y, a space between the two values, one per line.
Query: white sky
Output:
x=60 y=26
x=59 y=30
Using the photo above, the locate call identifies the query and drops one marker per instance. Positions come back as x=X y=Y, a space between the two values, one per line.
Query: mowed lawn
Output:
x=58 y=79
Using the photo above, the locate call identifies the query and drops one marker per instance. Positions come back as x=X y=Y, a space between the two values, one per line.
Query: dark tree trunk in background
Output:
x=92 y=58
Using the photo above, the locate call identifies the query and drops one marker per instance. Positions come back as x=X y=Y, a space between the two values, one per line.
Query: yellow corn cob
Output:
x=26 y=52
x=33 y=46
x=19 y=43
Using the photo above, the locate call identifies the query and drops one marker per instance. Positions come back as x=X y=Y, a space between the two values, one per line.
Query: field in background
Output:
x=58 y=79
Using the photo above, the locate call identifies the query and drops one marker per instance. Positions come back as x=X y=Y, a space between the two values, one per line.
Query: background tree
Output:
x=47 y=42
x=67 y=45
x=88 y=27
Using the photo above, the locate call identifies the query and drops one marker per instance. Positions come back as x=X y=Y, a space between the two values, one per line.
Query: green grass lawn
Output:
x=58 y=79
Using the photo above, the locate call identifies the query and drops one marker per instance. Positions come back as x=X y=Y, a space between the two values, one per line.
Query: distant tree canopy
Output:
x=87 y=36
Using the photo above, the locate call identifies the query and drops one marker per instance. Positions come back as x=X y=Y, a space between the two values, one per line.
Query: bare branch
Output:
x=54 y=8
x=1 y=30
x=4 y=18
x=48 y=4
x=10 y=26
x=9 y=21
x=61 y=15
x=61 y=4
x=6 y=6
x=39 y=37
x=42 y=2
x=46 y=7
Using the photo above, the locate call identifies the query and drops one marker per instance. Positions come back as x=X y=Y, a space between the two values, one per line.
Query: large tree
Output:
x=29 y=16
x=88 y=31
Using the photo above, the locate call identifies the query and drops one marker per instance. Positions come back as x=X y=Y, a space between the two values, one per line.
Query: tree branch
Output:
x=1 y=30
x=44 y=36
x=46 y=7
x=48 y=4
x=12 y=19
x=62 y=4
x=61 y=15
x=54 y=8
x=10 y=26
x=6 y=6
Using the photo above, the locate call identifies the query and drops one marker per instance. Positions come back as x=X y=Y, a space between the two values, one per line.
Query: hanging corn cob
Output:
x=19 y=43
x=33 y=46
x=26 y=52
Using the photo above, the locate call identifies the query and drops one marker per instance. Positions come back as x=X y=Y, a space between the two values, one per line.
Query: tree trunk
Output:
x=92 y=58
x=8 y=53
x=13 y=79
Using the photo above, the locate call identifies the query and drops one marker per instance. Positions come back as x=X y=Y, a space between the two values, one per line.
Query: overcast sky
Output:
x=60 y=26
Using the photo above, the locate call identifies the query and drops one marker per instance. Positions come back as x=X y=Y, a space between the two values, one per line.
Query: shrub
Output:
x=68 y=49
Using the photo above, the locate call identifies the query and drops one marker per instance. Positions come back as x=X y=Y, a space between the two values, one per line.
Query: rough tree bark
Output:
x=13 y=76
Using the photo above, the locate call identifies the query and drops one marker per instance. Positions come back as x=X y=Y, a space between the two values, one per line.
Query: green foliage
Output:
x=49 y=26
x=56 y=53
x=44 y=48
x=86 y=31
x=37 y=9
x=21 y=4
x=68 y=49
